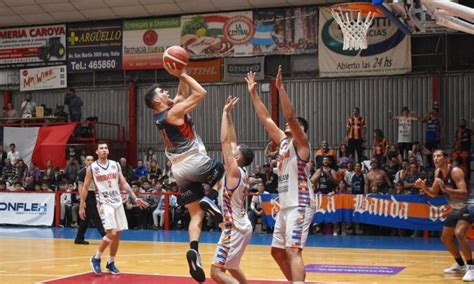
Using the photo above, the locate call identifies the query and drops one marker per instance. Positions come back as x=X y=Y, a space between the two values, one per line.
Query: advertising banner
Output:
x=285 y=31
x=145 y=40
x=32 y=209
x=205 y=70
x=388 y=51
x=235 y=69
x=95 y=46
x=216 y=35
x=32 y=46
x=43 y=78
x=413 y=212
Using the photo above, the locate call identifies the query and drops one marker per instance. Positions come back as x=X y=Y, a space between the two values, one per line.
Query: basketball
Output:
x=177 y=55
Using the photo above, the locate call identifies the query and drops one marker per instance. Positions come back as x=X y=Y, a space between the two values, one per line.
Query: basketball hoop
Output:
x=354 y=19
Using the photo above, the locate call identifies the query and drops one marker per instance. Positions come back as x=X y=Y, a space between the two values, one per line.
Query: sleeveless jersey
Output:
x=404 y=130
x=355 y=125
x=432 y=130
x=180 y=139
x=233 y=205
x=294 y=186
x=324 y=184
x=358 y=184
x=106 y=179
x=456 y=202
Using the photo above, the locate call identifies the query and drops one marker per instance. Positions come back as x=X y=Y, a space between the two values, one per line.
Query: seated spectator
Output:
x=13 y=154
x=10 y=112
x=49 y=174
x=21 y=169
x=270 y=179
x=38 y=188
x=8 y=171
x=256 y=210
x=409 y=181
x=324 y=151
x=167 y=172
x=343 y=155
x=71 y=170
x=68 y=203
x=140 y=170
x=255 y=178
x=160 y=210
x=34 y=172
x=154 y=171
x=399 y=189
x=28 y=107
x=127 y=171
x=45 y=188
x=136 y=216
x=402 y=173
x=3 y=186
x=29 y=184
x=17 y=187
x=149 y=157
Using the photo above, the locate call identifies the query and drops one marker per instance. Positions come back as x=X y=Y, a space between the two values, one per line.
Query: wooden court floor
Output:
x=29 y=260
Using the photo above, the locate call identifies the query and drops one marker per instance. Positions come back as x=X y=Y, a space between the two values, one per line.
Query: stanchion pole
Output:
x=57 y=205
x=167 y=210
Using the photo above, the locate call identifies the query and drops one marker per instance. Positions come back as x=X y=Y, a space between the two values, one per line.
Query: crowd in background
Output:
x=388 y=167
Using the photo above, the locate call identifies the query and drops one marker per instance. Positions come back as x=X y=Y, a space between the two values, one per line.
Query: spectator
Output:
x=50 y=173
x=256 y=210
x=432 y=133
x=34 y=172
x=3 y=157
x=324 y=151
x=74 y=104
x=13 y=154
x=393 y=153
x=399 y=188
x=377 y=180
x=154 y=171
x=380 y=146
x=17 y=187
x=10 y=112
x=45 y=188
x=28 y=107
x=464 y=136
x=149 y=157
x=29 y=184
x=355 y=135
x=3 y=186
x=348 y=174
x=135 y=215
x=405 y=131
x=325 y=179
x=343 y=155
x=402 y=173
x=167 y=172
x=357 y=183
x=391 y=167
x=140 y=170
x=127 y=171
x=417 y=152
x=160 y=210
x=72 y=154
x=60 y=113
x=409 y=181
x=256 y=178
x=460 y=158
x=21 y=169
x=8 y=171
x=270 y=179
x=72 y=170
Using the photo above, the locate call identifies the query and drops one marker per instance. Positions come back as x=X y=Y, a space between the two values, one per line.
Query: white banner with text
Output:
x=33 y=209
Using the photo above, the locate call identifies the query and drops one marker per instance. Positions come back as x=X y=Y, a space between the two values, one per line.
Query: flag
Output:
x=40 y=144
x=263 y=35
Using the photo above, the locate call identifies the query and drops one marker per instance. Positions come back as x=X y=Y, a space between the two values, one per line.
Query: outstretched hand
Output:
x=173 y=70
x=279 y=79
x=250 y=79
x=230 y=103
x=142 y=204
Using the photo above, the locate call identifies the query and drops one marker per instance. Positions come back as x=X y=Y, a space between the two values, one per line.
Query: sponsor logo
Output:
x=239 y=30
x=150 y=37
x=33 y=32
x=94 y=37
x=23 y=207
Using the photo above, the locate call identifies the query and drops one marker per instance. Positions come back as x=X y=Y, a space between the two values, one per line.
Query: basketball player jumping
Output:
x=108 y=179
x=237 y=229
x=191 y=166
x=296 y=196
x=450 y=180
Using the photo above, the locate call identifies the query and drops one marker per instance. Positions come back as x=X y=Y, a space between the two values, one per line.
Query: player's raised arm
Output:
x=262 y=112
x=229 y=143
x=299 y=135
x=196 y=92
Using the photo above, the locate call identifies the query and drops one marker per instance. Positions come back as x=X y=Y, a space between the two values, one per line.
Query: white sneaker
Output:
x=455 y=269
x=469 y=276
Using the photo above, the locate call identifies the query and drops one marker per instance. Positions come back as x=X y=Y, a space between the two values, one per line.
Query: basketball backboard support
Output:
x=428 y=16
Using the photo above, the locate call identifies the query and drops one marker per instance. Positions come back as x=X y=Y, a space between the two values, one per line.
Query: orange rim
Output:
x=364 y=8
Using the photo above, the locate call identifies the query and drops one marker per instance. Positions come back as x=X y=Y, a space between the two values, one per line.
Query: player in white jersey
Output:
x=237 y=229
x=108 y=179
x=296 y=196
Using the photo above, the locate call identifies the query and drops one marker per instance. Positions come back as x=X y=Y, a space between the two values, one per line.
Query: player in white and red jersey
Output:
x=296 y=196
x=108 y=179
x=237 y=229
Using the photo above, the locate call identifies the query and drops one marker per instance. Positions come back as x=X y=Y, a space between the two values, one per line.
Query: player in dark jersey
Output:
x=450 y=180
x=191 y=166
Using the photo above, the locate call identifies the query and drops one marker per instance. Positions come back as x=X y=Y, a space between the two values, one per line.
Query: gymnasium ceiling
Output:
x=35 y=12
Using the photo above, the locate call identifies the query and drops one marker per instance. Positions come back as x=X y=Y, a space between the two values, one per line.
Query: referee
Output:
x=91 y=207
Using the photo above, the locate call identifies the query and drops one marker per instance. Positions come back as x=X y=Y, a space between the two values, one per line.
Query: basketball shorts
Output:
x=231 y=247
x=191 y=172
x=113 y=218
x=292 y=227
x=466 y=213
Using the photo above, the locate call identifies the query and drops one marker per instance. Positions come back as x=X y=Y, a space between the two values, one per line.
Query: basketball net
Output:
x=354 y=30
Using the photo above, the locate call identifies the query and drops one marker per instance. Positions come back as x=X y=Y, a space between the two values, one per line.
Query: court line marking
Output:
x=63 y=277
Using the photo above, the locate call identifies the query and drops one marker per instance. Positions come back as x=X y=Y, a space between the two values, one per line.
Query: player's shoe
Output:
x=195 y=266
x=455 y=269
x=210 y=207
x=95 y=265
x=469 y=275
x=111 y=268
